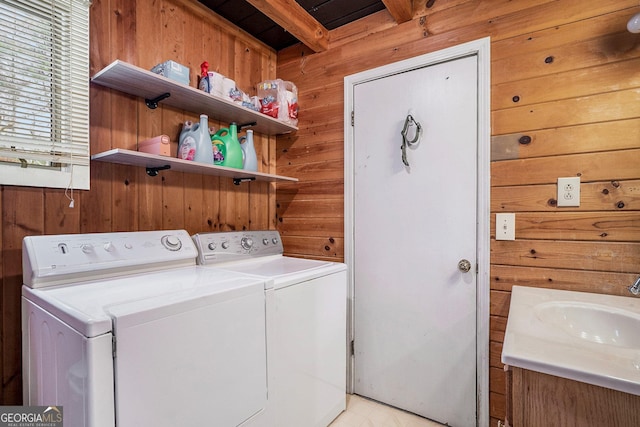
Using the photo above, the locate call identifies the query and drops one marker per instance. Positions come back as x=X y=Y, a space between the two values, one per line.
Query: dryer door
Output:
x=191 y=360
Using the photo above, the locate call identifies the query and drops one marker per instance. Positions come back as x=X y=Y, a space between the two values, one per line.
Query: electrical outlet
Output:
x=569 y=191
x=505 y=226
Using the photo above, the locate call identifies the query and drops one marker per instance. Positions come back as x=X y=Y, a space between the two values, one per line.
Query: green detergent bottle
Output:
x=226 y=147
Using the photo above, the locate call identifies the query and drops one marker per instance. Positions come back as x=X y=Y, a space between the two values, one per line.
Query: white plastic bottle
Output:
x=250 y=161
x=204 y=149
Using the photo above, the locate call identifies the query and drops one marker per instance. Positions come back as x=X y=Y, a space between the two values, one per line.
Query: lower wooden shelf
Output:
x=154 y=164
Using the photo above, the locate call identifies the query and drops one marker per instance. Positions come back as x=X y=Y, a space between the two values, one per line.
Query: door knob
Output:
x=464 y=266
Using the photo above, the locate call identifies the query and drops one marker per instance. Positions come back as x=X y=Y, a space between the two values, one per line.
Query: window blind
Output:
x=44 y=94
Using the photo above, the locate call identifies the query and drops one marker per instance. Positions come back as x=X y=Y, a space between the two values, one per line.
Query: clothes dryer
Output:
x=306 y=324
x=125 y=329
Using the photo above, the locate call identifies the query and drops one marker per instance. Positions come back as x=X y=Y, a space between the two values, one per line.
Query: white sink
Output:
x=597 y=323
x=582 y=336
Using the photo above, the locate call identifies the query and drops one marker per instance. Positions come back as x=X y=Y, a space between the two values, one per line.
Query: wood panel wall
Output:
x=124 y=198
x=565 y=75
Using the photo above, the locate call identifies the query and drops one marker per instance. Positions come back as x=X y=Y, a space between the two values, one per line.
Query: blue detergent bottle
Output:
x=195 y=142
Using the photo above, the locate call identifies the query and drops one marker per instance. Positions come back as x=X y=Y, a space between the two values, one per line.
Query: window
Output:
x=44 y=93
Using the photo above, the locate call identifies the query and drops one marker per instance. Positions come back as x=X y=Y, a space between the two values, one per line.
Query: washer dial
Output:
x=246 y=243
x=170 y=242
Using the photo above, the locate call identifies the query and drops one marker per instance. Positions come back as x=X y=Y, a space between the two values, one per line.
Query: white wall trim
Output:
x=480 y=48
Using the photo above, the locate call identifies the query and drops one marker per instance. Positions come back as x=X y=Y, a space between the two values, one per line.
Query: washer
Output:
x=125 y=329
x=306 y=324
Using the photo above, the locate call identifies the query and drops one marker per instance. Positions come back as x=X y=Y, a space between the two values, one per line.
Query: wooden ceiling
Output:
x=282 y=23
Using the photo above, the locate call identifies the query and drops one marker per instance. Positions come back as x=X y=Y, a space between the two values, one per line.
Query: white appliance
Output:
x=306 y=325
x=125 y=329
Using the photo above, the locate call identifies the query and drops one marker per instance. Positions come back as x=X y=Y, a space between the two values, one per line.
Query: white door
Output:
x=414 y=308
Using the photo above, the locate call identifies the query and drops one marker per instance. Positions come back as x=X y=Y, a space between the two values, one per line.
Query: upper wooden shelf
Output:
x=154 y=164
x=145 y=84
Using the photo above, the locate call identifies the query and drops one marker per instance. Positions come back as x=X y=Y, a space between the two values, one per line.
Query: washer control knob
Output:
x=212 y=246
x=246 y=243
x=225 y=244
x=265 y=241
x=109 y=247
x=275 y=241
x=171 y=242
x=87 y=248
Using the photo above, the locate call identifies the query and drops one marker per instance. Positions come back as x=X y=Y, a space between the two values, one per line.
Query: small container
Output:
x=173 y=70
x=159 y=145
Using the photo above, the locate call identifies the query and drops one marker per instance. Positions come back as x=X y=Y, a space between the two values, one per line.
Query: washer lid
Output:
x=285 y=270
x=89 y=307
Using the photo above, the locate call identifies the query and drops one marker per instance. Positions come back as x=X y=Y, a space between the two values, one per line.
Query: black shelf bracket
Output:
x=238 y=181
x=153 y=171
x=153 y=103
x=246 y=125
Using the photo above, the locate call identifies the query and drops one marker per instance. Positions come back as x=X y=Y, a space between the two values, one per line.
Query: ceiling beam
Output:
x=294 y=19
x=400 y=10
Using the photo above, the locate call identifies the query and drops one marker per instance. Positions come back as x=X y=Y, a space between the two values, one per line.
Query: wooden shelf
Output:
x=154 y=88
x=150 y=86
x=154 y=164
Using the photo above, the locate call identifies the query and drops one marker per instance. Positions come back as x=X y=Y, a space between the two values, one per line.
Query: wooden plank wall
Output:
x=565 y=74
x=123 y=198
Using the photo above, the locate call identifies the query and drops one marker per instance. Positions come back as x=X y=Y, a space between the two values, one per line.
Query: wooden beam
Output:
x=400 y=10
x=294 y=19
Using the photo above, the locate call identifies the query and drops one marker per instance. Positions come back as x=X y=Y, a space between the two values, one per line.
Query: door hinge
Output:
x=353 y=348
x=113 y=347
x=352 y=118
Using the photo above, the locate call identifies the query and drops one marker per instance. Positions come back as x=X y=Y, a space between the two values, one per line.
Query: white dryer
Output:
x=306 y=324
x=125 y=329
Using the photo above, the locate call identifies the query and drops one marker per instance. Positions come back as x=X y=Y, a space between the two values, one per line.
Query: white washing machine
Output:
x=125 y=329
x=306 y=325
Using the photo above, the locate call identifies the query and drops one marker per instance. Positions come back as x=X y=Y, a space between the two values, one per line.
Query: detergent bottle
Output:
x=227 y=147
x=195 y=141
x=204 y=151
x=250 y=161
x=187 y=142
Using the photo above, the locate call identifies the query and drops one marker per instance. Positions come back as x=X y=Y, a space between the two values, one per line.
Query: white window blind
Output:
x=44 y=93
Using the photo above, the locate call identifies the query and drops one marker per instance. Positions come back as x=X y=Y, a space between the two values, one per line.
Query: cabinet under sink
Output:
x=572 y=358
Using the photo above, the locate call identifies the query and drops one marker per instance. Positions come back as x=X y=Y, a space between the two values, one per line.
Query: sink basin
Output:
x=592 y=338
x=592 y=322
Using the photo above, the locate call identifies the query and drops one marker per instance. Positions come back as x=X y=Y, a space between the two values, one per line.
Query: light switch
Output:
x=505 y=226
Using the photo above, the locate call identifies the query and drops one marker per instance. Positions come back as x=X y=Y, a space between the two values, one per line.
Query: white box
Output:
x=173 y=70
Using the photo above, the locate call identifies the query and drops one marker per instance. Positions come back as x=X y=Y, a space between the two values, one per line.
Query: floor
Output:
x=363 y=412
